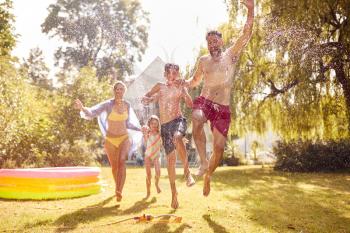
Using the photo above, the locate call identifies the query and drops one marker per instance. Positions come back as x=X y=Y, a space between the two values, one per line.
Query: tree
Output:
x=36 y=69
x=90 y=91
x=22 y=117
x=70 y=133
x=295 y=73
x=106 y=34
x=7 y=37
x=40 y=127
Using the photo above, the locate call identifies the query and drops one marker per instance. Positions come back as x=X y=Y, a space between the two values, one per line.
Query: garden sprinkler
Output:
x=148 y=218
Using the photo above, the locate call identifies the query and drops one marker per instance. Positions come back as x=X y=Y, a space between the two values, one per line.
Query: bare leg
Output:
x=171 y=158
x=157 y=173
x=123 y=153
x=113 y=154
x=181 y=149
x=198 y=120
x=148 y=175
x=215 y=159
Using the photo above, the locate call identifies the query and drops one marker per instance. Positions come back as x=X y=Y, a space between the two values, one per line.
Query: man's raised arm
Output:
x=242 y=41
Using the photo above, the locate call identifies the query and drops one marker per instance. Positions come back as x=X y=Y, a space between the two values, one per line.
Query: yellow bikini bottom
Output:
x=116 y=141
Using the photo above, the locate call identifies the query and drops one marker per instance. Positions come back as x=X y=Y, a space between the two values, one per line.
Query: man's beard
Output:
x=215 y=52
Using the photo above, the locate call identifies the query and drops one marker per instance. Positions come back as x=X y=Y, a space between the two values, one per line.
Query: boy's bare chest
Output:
x=169 y=93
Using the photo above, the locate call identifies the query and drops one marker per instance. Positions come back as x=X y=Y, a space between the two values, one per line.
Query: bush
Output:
x=78 y=154
x=40 y=128
x=231 y=161
x=298 y=156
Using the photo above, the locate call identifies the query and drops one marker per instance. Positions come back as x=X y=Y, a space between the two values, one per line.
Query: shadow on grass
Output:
x=164 y=228
x=87 y=214
x=92 y=213
x=287 y=201
x=70 y=221
x=213 y=225
x=139 y=206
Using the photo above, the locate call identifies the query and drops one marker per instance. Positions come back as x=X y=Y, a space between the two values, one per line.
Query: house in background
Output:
x=141 y=85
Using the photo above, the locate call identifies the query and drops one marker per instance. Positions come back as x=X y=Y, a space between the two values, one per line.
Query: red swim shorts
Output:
x=219 y=115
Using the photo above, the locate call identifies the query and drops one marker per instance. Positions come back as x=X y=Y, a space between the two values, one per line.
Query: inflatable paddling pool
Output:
x=49 y=183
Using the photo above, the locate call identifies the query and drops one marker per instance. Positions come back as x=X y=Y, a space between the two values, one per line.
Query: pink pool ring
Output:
x=49 y=183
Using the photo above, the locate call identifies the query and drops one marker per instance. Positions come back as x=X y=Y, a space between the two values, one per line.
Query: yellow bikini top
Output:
x=114 y=116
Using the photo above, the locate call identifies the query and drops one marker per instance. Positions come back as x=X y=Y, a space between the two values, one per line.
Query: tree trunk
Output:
x=345 y=83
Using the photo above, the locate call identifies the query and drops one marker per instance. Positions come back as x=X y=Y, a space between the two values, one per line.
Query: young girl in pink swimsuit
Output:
x=153 y=143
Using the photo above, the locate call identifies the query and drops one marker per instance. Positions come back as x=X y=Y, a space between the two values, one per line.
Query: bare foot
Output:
x=148 y=194
x=189 y=180
x=174 y=202
x=202 y=170
x=206 y=186
x=118 y=196
x=158 y=189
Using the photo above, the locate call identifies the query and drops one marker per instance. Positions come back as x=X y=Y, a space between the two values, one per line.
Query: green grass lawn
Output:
x=243 y=199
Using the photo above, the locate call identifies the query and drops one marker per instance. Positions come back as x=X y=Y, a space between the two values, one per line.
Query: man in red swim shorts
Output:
x=217 y=71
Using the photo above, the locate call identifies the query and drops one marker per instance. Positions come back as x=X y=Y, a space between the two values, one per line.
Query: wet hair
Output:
x=153 y=117
x=119 y=83
x=171 y=66
x=213 y=33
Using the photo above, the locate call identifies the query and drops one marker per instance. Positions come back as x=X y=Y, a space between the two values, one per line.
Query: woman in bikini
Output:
x=115 y=118
x=153 y=143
